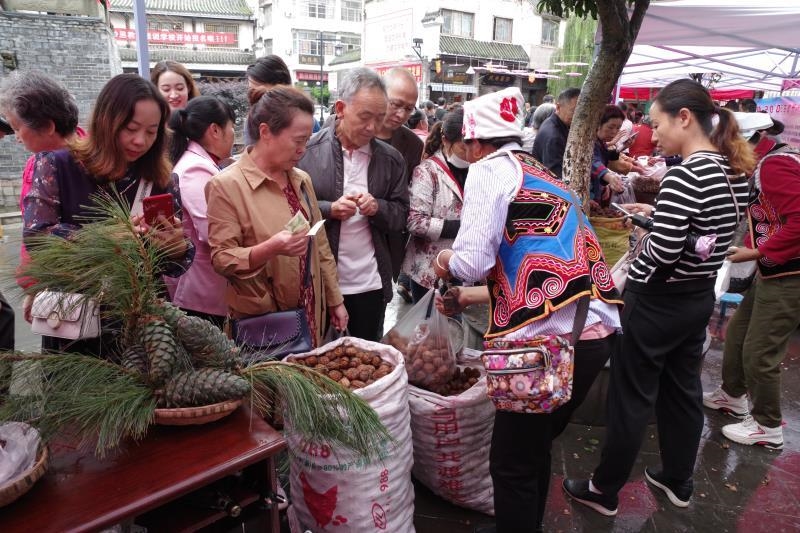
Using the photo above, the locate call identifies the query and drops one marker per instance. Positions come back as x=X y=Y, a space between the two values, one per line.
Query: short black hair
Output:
x=568 y=94
x=441 y=100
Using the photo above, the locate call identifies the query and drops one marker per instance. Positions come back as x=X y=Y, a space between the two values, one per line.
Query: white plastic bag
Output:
x=723 y=279
x=331 y=490
x=452 y=436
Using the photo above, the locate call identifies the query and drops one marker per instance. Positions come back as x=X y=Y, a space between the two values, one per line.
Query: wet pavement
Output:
x=737 y=488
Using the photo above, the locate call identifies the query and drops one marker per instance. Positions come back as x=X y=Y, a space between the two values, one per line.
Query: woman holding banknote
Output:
x=260 y=210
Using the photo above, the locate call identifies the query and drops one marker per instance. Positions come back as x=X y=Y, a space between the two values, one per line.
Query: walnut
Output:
x=338 y=351
x=344 y=382
x=357 y=384
x=428 y=368
x=378 y=374
x=385 y=367
x=333 y=365
x=320 y=368
x=351 y=351
x=365 y=357
x=417 y=364
x=354 y=362
x=335 y=375
x=376 y=361
x=351 y=373
x=311 y=361
x=324 y=360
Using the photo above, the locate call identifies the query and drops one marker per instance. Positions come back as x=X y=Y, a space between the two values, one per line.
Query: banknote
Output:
x=297 y=224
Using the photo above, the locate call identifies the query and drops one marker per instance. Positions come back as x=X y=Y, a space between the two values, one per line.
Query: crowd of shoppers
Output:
x=432 y=193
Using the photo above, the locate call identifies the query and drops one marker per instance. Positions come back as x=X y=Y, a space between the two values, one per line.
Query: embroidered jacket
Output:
x=546 y=260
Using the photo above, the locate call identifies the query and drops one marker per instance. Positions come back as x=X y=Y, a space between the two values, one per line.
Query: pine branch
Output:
x=317 y=408
x=93 y=399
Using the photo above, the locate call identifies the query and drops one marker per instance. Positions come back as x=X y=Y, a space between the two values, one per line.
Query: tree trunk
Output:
x=619 y=28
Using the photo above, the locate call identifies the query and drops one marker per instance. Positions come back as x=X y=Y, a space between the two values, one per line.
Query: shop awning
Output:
x=463 y=47
x=453 y=88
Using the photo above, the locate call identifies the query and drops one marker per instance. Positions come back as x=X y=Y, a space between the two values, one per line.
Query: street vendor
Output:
x=536 y=276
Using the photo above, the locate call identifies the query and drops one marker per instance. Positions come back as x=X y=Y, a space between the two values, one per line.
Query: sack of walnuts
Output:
x=423 y=337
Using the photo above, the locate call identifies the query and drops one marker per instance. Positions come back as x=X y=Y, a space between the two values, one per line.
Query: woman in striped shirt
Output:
x=669 y=298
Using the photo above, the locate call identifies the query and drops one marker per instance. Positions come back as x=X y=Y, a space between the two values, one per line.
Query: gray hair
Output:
x=37 y=99
x=541 y=114
x=357 y=79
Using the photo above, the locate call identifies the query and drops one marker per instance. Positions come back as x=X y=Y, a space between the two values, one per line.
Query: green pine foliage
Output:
x=84 y=396
x=316 y=407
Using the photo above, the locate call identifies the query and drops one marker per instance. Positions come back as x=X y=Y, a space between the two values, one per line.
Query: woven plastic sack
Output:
x=331 y=489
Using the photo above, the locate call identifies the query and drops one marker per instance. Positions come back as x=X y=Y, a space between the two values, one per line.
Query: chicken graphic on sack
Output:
x=321 y=505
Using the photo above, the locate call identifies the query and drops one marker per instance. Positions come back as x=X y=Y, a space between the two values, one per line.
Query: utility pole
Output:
x=337 y=50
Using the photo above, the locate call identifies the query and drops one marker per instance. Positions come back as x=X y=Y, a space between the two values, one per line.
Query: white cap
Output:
x=750 y=123
x=499 y=114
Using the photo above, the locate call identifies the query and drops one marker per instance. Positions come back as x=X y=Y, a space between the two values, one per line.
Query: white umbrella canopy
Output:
x=751 y=44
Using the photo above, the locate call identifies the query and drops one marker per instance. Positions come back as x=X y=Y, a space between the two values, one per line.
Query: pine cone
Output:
x=162 y=350
x=206 y=343
x=204 y=387
x=171 y=313
x=134 y=359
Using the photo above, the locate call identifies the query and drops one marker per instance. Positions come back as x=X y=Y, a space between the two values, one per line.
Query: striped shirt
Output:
x=490 y=187
x=695 y=197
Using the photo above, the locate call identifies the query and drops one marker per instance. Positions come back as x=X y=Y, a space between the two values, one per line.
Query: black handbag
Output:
x=280 y=333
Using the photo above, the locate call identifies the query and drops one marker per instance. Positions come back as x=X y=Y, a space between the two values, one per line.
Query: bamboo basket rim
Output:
x=186 y=416
x=13 y=490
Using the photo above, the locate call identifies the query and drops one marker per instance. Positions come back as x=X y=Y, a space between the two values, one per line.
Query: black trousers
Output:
x=366 y=311
x=6 y=325
x=519 y=460
x=657 y=364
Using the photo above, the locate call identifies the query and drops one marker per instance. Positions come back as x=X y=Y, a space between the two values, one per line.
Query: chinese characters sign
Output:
x=414 y=68
x=177 y=37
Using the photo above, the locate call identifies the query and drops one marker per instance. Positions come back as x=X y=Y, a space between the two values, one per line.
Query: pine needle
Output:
x=317 y=408
x=92 y=399
x=105 y=259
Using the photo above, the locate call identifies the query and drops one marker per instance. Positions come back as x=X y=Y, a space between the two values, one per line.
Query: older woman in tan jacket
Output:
x=249 y=205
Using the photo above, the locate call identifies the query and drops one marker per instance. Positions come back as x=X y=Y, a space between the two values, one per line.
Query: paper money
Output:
x=297 y=224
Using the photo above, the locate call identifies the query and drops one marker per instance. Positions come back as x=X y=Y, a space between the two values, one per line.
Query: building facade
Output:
x=214 y=39
x=462 y=48
x=304 y=31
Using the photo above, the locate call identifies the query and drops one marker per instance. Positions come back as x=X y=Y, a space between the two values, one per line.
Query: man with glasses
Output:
x=401 y=92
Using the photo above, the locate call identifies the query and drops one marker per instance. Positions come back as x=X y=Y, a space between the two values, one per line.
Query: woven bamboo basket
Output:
x=11 y=491
x=191 y=416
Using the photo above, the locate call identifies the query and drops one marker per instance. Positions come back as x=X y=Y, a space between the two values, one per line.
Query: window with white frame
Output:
x=216 y=27
x=502 y=30
x=458 y=23
x=550 y=31
x=350 y=42
x=351 y=10
x=307 y=42
x=317 y=9
x=267 y=46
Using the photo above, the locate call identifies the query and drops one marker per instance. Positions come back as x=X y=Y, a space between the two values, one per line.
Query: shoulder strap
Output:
x=582 y=311
x=307 y=277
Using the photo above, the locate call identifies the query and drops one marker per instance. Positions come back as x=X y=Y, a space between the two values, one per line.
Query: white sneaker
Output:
x=722 y=401
x=751 y=432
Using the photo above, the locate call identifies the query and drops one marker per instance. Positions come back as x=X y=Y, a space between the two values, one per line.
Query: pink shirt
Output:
x=200 y=288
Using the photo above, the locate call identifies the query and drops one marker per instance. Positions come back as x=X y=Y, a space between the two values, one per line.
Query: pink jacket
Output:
x=200 y=288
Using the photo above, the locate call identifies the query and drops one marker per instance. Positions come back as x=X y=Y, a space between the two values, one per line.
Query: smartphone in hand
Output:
x=153 y=206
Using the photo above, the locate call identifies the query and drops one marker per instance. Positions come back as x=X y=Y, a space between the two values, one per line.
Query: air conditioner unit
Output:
x=287 y=14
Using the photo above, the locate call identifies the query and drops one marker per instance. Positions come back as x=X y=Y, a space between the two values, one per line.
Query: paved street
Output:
x=737 y=488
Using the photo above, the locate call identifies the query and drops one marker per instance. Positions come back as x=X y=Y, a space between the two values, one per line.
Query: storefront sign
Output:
x=307 y=59
x=414 y=68
x=502 y=80
x=787 y=110
x=395 y=32
x=177 y=37
x=305 y=75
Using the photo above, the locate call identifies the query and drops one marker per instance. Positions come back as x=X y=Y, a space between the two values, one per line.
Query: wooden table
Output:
x=81 y=493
